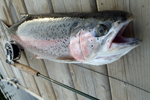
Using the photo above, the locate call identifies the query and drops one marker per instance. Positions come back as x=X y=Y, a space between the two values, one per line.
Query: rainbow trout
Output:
x=90 y=38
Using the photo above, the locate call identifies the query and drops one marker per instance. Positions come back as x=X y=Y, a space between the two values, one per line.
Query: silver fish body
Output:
x=90 y=38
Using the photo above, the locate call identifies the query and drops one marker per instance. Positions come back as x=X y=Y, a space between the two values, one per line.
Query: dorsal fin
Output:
x=23 y=15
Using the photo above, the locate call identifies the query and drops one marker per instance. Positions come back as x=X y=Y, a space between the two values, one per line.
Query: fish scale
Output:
x=57 y=44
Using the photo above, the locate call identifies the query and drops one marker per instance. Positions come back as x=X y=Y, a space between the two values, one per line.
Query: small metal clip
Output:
x=12 y=82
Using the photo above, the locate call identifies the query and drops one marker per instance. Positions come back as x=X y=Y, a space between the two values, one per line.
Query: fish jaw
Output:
x=115 y=46
x=105 y=49
x=121 y=45
x=116 y=31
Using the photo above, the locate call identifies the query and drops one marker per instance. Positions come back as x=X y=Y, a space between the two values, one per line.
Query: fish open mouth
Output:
x=121 y=39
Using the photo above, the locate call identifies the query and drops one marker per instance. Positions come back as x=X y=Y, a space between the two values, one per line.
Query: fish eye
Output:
x=101 y=30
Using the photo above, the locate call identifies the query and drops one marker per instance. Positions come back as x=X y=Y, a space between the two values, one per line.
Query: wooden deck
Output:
x=133 y=68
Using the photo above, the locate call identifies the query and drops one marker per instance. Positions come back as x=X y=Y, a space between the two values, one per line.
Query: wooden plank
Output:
x=6 y=66
x=16 y=7
x=122 y=91
x=2 y=54
x=74 y=6
x=5 y=15
x=29 y=79
x=83 y=79
x=45 y=87
x=90 y=82
x=37 y=6
x=132 y=68
x=12 y=71
x=60 y=72
x=24 y=78
x=61 y=93
x=2 y=70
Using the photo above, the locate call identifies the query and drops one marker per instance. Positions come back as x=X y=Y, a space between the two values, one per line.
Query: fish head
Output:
x=104 y=43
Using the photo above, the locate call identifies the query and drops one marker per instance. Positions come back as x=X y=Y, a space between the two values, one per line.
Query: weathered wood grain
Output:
x=134 y=67
x=7 y=68
x=5 y=15
x=37 y=6
x=24 y=78
x=63 y=76
x=45 y=87
x=83 y=79
x=12 y=72
x=60 y=72
x=29 y=79
x=90 y=82
x=2 y=70
x=74 y=5
x=15 y=8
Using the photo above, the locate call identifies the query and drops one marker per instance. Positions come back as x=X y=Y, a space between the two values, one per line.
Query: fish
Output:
x=93 y=38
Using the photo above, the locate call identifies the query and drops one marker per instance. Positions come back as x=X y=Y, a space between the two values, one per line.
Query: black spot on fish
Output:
x=115 y=19
x=124 y=19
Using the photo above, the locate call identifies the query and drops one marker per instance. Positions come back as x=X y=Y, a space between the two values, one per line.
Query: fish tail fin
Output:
x=6 y=28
